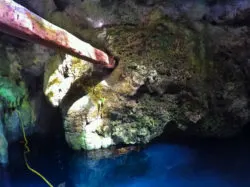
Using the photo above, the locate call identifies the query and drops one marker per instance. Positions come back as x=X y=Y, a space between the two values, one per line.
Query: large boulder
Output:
x=183 y=69
x=177 y=75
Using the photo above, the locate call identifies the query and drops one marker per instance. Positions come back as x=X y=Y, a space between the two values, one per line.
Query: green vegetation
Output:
x=15 y=98
x=10 y=93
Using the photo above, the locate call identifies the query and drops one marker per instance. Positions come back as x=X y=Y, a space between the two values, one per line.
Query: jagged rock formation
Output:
x=178 y=72
x=15 y=110
x=18 y=107
x=183 y=69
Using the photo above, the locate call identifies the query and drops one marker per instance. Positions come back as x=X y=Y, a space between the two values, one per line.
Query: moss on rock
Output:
x=15 y=111
x=163 y=82
x=10 y=93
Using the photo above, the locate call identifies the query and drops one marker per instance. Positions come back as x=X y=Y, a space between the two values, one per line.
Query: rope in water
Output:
x=27 y=150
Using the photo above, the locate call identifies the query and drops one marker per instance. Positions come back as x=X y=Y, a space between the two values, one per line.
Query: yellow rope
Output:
x=27 y=150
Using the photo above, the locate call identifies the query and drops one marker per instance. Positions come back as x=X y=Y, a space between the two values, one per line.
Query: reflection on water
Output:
x=108 y=172
x=191 y=164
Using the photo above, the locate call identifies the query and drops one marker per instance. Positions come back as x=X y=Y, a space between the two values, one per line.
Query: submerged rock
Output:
x=134 y=164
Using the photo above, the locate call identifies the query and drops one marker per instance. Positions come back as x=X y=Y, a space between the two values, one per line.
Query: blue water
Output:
x=193 y=163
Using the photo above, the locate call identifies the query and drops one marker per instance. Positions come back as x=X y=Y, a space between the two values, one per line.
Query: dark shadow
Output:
x=5 y=180
x=49 y=156
x=26 y=5
x=43 y=106
x=61 y=4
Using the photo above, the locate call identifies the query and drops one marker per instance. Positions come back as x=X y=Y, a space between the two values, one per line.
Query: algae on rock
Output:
x=168 y=78
x=15 y=112
x=162 y=83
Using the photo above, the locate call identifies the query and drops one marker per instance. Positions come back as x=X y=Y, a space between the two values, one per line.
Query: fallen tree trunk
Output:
x=18 y=21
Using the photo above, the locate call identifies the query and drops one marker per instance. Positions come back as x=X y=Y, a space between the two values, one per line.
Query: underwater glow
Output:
x=191 y=164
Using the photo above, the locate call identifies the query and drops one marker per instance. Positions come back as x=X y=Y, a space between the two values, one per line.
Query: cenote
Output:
x=124 y=93
x=186 y=163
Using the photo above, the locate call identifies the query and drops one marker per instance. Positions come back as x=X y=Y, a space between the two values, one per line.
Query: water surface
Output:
x=192 y=163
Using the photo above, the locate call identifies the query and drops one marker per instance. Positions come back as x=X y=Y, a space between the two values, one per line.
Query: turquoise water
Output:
x=192 y=163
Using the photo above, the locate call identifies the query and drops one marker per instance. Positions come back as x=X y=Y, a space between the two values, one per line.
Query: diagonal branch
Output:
x=18 y=21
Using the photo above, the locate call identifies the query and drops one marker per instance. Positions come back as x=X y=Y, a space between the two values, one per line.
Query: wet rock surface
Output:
x=178 y=71
x=183 y=69
x=22 y=63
